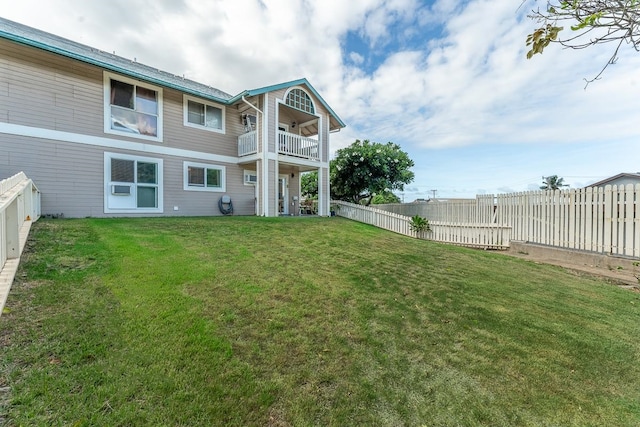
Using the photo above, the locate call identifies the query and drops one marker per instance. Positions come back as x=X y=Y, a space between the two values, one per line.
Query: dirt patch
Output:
x=624 y=272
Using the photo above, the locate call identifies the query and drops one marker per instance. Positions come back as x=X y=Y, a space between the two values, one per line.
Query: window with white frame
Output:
x=299 y=99
x=203 y=114
x=250 y=177
x=132 y=108
x=132 y=183
x=204 y=177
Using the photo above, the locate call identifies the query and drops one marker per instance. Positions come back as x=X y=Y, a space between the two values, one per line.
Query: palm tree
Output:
x=552 y=182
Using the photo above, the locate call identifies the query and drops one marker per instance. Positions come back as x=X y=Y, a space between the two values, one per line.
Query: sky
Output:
x=446 y=80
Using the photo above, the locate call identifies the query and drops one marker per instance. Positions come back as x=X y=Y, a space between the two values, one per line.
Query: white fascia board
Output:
x=98 y=141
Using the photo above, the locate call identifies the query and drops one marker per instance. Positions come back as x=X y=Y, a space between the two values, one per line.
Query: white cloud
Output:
x=470 y=87
x=356 y=58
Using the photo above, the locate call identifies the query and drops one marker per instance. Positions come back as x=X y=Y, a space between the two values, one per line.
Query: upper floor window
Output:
x=299 y=99
x=202 y=114
x=132 y=108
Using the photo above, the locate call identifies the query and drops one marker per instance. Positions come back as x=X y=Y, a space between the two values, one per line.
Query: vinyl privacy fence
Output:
x=486 y=236
x=603 y=220
x=19 y=207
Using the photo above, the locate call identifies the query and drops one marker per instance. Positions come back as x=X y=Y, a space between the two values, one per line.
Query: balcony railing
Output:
x=298 y=146
x=288 y=144
x=248 y=143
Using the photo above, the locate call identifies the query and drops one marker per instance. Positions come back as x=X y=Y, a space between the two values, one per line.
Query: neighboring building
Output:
x=101 y=135
x=620 y=179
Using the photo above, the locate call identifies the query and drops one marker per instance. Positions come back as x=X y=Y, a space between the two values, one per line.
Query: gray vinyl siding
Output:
x=43 y=90
x=272 y=126
x=204 y=203
x=47 y=91
x=179 y=136
x=70 y=178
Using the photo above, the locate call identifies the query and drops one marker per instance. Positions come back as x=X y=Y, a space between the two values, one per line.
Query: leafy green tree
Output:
x=386 y=197
x=309 y=185
x=591 y=23
x=552 y=182
x=365 y=169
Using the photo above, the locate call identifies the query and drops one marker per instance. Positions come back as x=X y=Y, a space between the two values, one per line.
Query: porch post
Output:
x=323 y=191
x=259 y=192
x=265 y=158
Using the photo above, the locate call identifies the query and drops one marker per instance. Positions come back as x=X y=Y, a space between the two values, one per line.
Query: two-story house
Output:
x=102 y=135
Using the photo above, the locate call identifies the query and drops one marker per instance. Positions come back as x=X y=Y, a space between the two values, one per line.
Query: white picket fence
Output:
x=19 y=207
x=603 y=220
x=485 y=236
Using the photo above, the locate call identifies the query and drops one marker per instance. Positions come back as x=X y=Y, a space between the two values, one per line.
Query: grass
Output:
x=305 y=321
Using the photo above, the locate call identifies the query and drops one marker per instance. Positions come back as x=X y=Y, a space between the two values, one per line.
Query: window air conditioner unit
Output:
x=121 y=190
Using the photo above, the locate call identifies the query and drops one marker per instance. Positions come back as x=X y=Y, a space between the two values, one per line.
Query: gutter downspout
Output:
x=265 y=164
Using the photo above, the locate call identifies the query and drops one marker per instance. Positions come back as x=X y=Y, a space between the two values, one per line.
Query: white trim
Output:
x=285 y=195
x=107 y=183
x=276 y=185
x=98 y=141
x=323 y=142
x=265 y=156
x=107 y=76
x=313 y=103
x=205 y=166
x=320 y=192
x=185 y=109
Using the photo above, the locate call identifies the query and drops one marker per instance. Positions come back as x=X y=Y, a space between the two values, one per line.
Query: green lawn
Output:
x=242 y=321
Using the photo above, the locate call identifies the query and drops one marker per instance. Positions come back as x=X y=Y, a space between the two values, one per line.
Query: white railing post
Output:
x=12 y=230
x=298 y=146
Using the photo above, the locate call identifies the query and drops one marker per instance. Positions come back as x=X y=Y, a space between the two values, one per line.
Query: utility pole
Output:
x=434 y=193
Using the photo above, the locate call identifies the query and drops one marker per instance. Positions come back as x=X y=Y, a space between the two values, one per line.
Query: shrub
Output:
x=419 y=225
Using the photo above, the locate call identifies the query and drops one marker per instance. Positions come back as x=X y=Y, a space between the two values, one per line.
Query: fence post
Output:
x=608 y=207
x=12 y=230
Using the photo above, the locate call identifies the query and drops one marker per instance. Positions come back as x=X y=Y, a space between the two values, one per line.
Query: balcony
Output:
x=298 y=146
x=289 y=144
x=248 y=144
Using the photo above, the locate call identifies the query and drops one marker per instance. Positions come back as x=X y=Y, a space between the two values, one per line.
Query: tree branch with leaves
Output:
x=591 y=23
x=552 y=182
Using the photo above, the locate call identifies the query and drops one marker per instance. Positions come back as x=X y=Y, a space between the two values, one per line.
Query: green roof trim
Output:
x=299 y=82
x=110 y=67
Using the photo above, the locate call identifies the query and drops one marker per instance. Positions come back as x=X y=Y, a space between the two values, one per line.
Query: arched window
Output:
x=297 y=98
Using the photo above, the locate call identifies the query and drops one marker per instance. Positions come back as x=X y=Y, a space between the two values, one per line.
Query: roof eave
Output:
x=110 y=67
x=303 y=81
